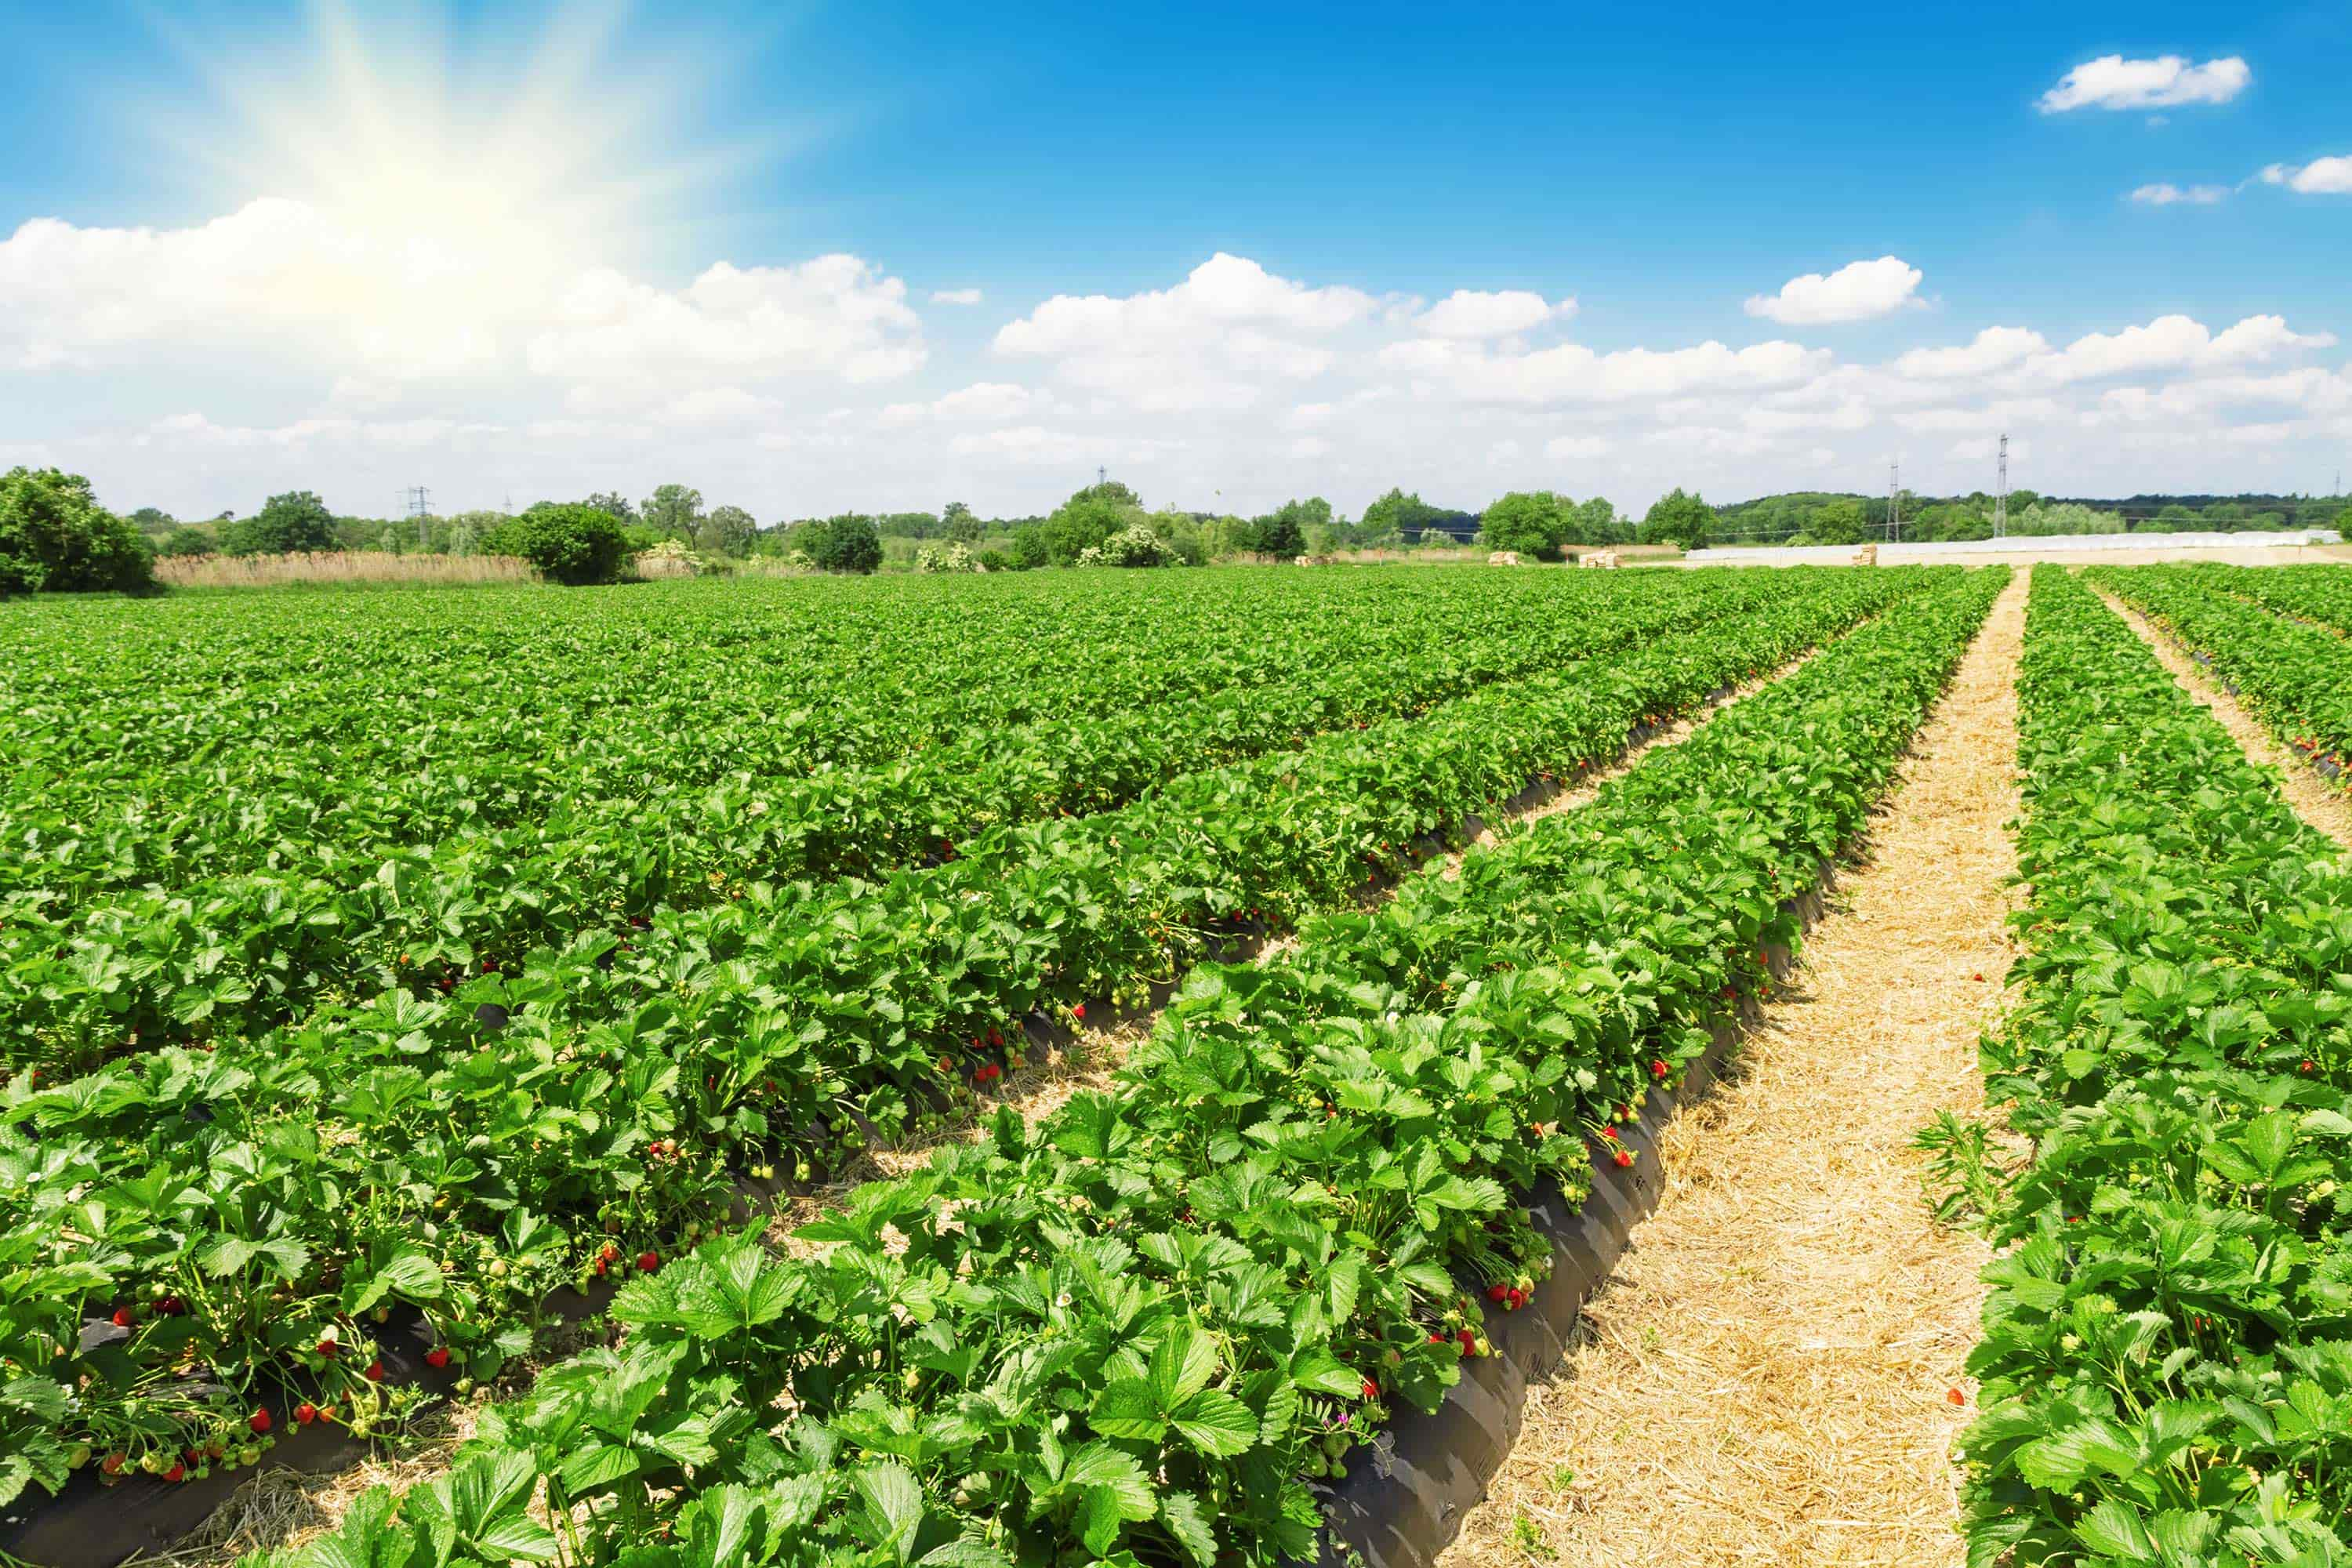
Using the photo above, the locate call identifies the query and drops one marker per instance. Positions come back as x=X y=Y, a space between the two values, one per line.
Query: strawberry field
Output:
x=385 y=985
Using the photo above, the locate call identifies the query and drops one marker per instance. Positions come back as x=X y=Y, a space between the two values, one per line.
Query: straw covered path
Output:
x=1770 y=1375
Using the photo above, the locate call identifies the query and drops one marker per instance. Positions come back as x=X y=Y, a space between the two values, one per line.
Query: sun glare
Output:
x=436 y=187
x=545 y=149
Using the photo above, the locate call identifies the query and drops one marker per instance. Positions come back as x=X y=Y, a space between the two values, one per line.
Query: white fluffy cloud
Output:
x=832 y=314
x=281 y=283
x=955 y=296
x=2112 y=81
x=1858 y=291
x=1995 y=348
x=1470 y=313
x=2171 y=343
x=805 y=388
x=2165 y=193
x=2322 y=176
x=1571 y=373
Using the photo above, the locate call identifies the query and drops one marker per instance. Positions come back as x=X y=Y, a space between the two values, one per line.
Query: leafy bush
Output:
x=1134 y=545
x=995 y=560
x=576 y=544
x=952 y=557
x=56 y=538
x=848 y=542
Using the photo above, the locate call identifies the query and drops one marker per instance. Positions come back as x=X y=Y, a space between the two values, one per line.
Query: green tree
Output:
x=153 y=520
x=297 y=521
x=849 y=542
x=673 y=511
x=728 y=531
x=186 y=541
x=617 y=504
x=1111 y=490
x=1676 y=518
x=1838 y=521
x=55 y=538
x=577 y=543
x=1597 y=522
x=1533 y=522
x=1400 y=514
x=1032 y=547
x=961 y=526
x=1087 y=519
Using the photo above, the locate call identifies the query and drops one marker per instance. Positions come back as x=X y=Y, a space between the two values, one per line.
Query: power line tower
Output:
x=420 y=507
x=2000 y=492
x=1101 y=474
x=1895 y=503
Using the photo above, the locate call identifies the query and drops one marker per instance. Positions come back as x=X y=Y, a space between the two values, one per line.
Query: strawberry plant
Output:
x=2165 y=1355
x=1141 y=1329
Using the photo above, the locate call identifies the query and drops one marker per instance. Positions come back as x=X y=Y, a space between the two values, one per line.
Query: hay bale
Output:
x=1502 y=558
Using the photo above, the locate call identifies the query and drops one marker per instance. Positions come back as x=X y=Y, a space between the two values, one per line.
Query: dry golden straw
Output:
x=1769 y=1377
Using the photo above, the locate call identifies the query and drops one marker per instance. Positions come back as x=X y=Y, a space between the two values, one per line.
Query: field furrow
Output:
x=1767 y=1377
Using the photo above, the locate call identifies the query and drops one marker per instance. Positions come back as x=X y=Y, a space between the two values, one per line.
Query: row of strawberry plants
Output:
x=2320 y=594
x=1138 y=1331
x=202 y=734
x=238 y=947
x=2295 y=678
x=2168 y=1350
x=263 y=1197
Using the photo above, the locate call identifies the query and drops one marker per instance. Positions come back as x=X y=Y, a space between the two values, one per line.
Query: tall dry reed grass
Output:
x=337 y=568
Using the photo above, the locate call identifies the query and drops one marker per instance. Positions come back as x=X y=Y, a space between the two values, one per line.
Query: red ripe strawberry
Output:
x=1518 y=1298
x=178 y=1472
x=2306 y=1067
x=994 y=1038
x=114 y=1462
x=1497 y=1292
x=258 y=1422
x=171 y=1306
x=437 y=1357
x=327 y=1348
x=1437 y=1339
x=305 y=1412
x=648 y=1262
x=1955 y=1397
x=122 y=1318
x=1079 y=1012
x=375 y=1372
x=1657 y=1070
x=1469 y=1342
x=1609 y=1133
x=1371 y=1389
x=601 y=1266
x=1624 y=1156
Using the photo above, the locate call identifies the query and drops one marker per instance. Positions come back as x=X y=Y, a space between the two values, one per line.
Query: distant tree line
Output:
x=55 y=536
x=1813 y=517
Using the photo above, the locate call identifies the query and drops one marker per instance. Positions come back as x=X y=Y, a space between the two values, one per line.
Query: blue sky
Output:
x=483 y=257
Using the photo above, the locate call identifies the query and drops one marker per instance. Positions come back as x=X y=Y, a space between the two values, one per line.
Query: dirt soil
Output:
x=1773 y=1376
